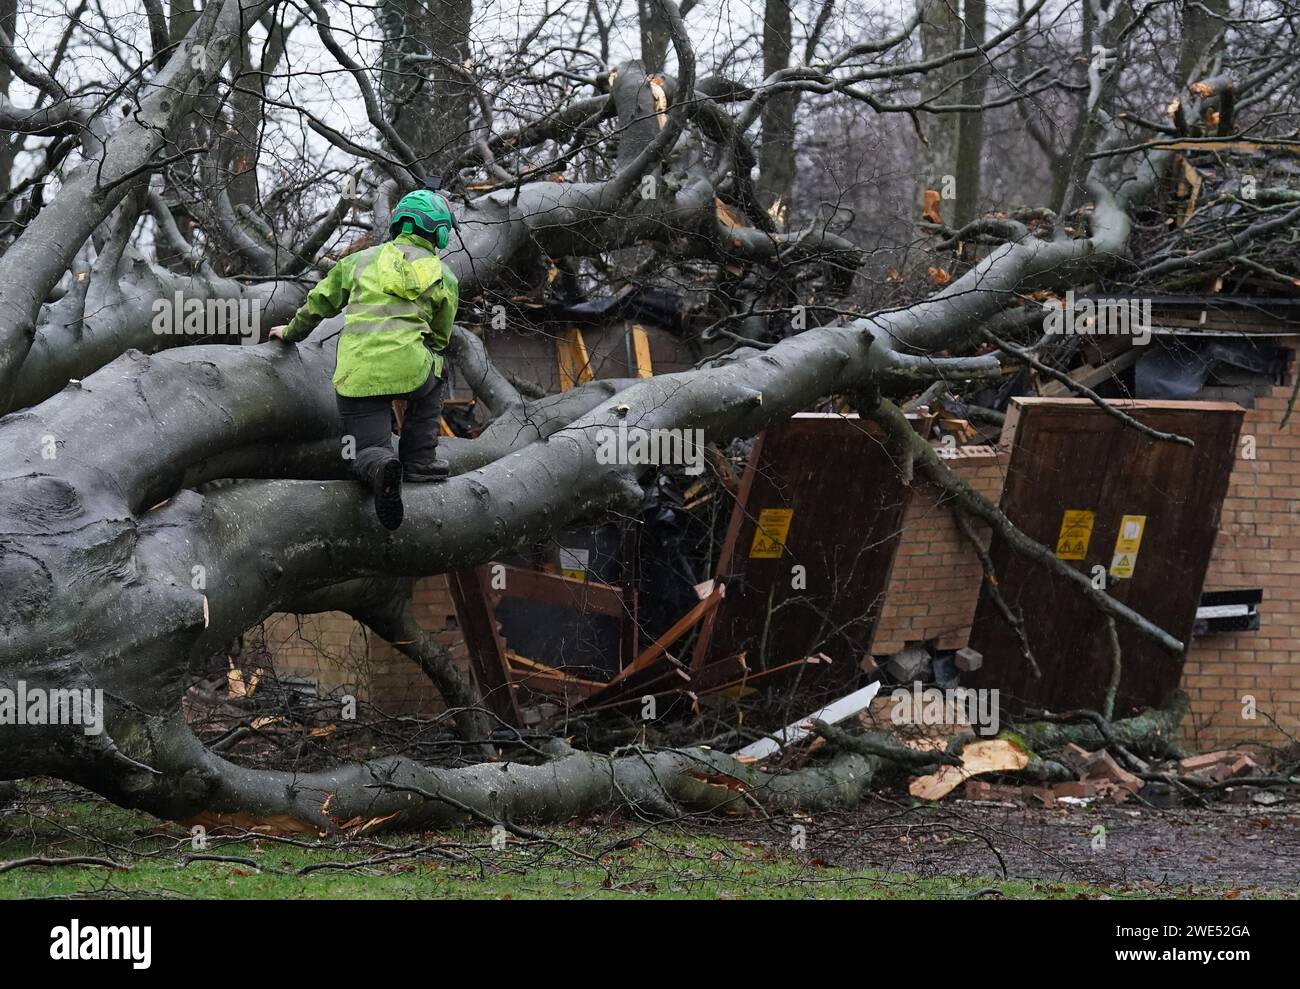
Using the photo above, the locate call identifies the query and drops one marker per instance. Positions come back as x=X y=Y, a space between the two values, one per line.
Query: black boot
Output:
x=423 y=473
x=386 y=483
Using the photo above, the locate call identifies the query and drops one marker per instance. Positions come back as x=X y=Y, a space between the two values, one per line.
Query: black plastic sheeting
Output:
x=1179 y=369
x=999 y=397
x=587 y=644
x=657 y=306
x=667 y=573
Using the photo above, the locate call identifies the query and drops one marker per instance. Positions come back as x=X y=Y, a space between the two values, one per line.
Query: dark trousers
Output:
x=369 y=421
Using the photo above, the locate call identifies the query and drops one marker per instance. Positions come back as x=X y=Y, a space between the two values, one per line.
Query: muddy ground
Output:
x=1237 y=847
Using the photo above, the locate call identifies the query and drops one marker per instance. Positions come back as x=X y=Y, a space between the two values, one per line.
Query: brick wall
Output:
x=330 y=647
x=342 y=654
x=1258 y=546
x=935 y=584
x=398 y=685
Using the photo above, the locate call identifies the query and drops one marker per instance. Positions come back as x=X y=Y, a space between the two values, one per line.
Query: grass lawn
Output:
x=575 y=862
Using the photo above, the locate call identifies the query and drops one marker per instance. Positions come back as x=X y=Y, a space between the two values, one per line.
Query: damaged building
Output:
x=803 y=560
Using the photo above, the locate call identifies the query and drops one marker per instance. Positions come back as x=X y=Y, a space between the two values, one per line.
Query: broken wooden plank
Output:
x=487 y=651
x=641 y=352
x=1246 y=147
x=679 y=628
x=744 y=683
x=720 y=672
x=675 y=683
x=728 y=549
x=1091 y=377
x=529 y=673
x=566 y=592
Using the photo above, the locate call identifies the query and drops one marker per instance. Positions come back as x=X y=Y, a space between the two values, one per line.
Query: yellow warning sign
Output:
x=769 y=537
x=1127 y=544
x=1076 y=533
x=573 y=563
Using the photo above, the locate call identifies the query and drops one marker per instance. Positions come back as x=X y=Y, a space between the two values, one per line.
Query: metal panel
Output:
x=1069 y=456
x=831 y=501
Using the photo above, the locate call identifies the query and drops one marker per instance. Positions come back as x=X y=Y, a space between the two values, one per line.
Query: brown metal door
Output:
x=827 y=497
x=1069 y=456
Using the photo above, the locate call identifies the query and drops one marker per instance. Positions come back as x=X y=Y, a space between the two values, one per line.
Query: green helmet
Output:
x=425 y=212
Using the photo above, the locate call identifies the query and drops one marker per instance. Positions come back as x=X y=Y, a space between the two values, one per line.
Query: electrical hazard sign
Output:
x=1076 y=534
x=573 y=562
x=1127 y=544
x=770 y=536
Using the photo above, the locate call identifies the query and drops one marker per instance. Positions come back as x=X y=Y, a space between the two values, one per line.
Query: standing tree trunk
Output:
x=654 y=35
x=777 y=152
x=1202 y=34
x=425 y=79
x=9 y=143
x=940 y=34
x=970 y=137
x=241 y=150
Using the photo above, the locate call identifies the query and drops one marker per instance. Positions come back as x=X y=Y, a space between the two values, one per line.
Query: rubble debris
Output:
x=1045 y=796
x=1161 y=796
x=908 y=664
x=991 y=792
x=1074 y=756
x=1266 y=798
x=1103 y=768
x=1219 y=766
x=1079 y=789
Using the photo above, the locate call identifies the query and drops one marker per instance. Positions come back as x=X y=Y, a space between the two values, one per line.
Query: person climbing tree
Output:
x=401 y=303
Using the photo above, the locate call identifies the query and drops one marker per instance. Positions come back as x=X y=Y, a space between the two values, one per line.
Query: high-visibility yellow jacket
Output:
x=400 y=303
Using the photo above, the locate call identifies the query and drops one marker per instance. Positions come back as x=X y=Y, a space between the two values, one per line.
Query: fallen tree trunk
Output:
x=192 y=784
x=261 y=546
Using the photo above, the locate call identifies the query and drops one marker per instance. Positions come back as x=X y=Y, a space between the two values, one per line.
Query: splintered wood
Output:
x=996 y=755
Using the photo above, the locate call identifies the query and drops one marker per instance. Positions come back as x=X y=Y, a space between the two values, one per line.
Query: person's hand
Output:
x=277 y=333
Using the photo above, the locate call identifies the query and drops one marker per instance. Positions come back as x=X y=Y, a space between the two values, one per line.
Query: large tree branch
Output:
x=37 y=260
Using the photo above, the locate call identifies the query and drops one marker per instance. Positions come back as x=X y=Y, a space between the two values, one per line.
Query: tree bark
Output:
x=655 y=38
x=940 y=34
x=425 y=83
x=970 y=128
x=194 y=785
x=39 y=258
x=776 y=160
x=1201 y=36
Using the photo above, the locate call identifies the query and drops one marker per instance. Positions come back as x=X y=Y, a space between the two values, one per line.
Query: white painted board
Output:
x=832 y=713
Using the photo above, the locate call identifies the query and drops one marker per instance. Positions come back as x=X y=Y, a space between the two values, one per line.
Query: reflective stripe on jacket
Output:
x=400 y=303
